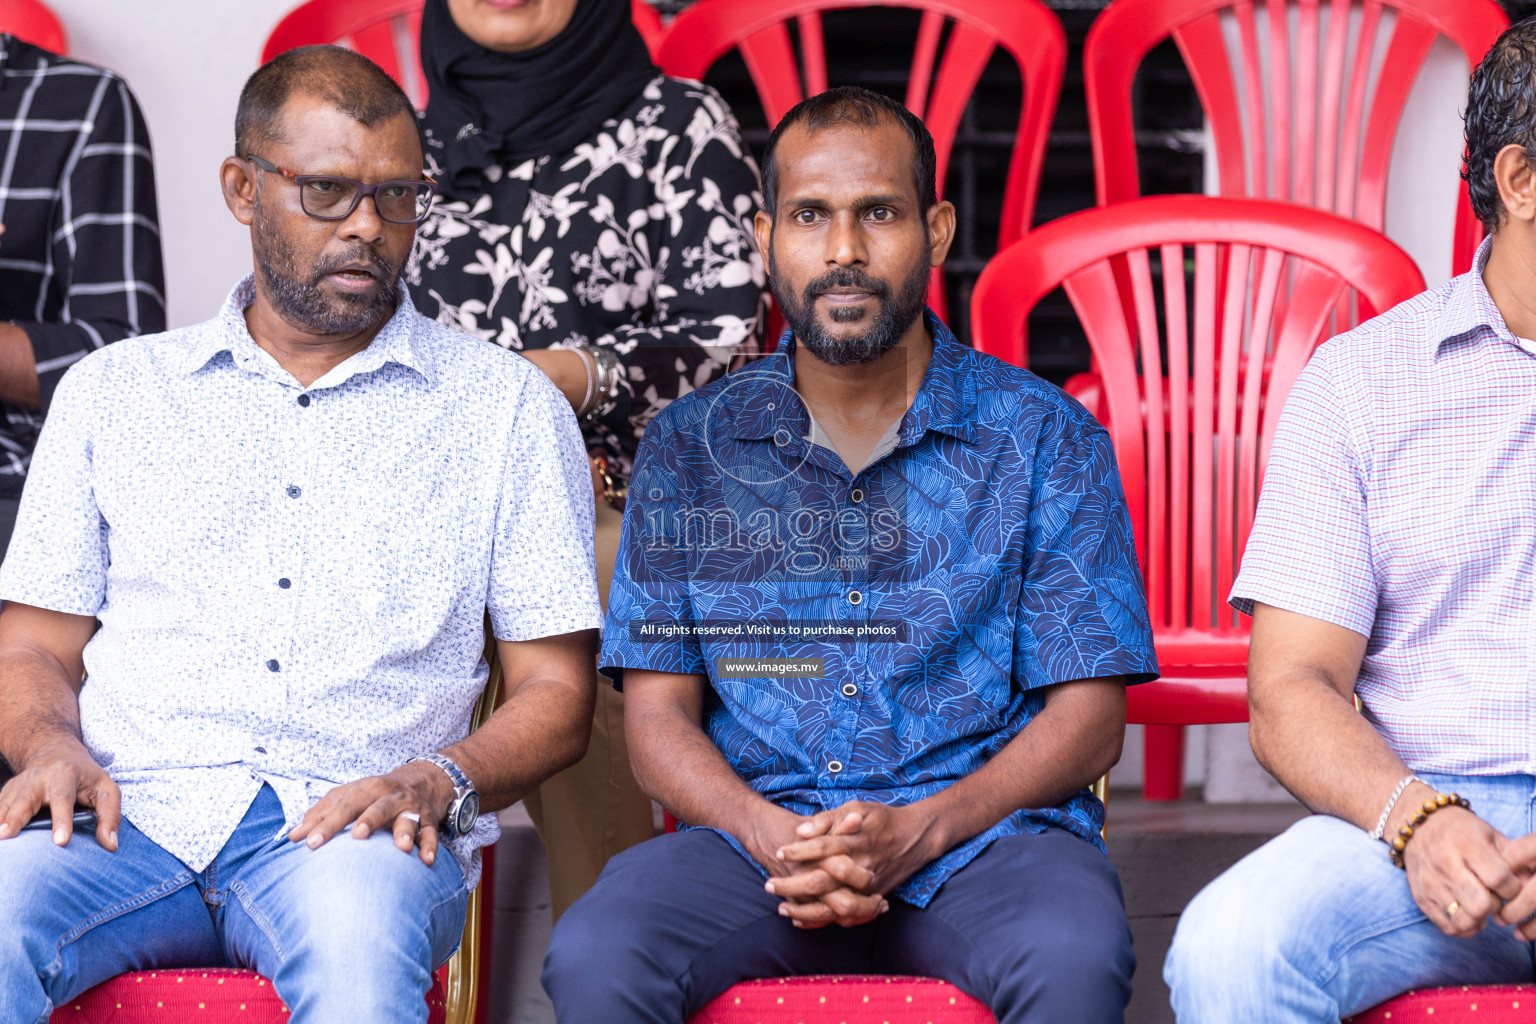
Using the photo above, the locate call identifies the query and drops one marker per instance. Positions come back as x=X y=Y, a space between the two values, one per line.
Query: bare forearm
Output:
x=40 y=672
x=1309 y=736
x=18 y=368
x=1074 y=739
x=39 y=705
x=678 y=765
x=542 y=728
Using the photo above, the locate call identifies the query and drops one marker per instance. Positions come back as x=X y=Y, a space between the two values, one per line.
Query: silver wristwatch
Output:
x=465 y=808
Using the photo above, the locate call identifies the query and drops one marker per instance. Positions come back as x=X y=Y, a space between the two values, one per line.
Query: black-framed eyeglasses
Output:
x=328 y=197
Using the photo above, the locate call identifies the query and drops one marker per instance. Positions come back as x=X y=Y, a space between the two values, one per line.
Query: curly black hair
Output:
x=1501 y=111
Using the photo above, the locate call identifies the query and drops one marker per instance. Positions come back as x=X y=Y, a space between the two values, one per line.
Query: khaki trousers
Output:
x=593 y=809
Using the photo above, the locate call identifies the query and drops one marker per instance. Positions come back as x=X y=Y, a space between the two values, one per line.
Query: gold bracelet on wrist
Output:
x=614 y=492
x=1440 y=801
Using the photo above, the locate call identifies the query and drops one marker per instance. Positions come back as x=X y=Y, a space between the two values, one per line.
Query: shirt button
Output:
x=857 y=494
x=850 y=690
x=273 y=666
x=304 y=401
x=854 y=597
x=260 y=750
x=834 y=766
x=294 y=491
x=285 y=583
x=781 y=437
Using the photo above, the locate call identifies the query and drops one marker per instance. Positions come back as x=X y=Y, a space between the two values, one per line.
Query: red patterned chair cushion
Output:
x=1457 y=1004
x=844 y=999
x=211 y=995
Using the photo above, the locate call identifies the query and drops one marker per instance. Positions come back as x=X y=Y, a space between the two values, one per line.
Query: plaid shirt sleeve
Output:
x=104 y=251
x=1310 y=548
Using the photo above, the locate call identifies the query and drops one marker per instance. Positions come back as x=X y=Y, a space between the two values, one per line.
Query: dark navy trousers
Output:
x=1034 y=927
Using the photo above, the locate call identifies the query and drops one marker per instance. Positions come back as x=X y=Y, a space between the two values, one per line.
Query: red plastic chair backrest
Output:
x=1326 y=120
x=1195 y=367
x=938 y=86
x=388 y=32
x=32 y=22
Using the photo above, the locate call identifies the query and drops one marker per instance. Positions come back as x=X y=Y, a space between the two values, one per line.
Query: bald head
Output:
x=333 y=75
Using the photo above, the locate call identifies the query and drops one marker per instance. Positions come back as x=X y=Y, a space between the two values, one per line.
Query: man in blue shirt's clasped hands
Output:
x=876 y=606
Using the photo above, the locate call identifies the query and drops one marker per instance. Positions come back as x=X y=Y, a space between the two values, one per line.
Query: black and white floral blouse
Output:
x=638 y=239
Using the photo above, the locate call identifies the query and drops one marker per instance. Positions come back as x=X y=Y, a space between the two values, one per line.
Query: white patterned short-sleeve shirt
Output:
x=1400 y=502
x=291 y=582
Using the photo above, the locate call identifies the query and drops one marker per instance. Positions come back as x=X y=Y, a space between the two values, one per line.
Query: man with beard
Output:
x=876 y=607
x=269 y=544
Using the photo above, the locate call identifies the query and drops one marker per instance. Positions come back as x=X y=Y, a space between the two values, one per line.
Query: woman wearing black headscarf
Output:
x=595 y=216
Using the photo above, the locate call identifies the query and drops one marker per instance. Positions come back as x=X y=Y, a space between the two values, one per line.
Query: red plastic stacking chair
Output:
x=1462 y=1004
x=845 y=999
x=938 y=85
x=1191 y=403
x=226 y=996
x=648 y=20
x=32 y=22
x=388 y=32
x=1328 y=119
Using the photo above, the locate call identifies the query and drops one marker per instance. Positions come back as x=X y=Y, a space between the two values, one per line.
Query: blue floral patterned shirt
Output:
x=882 y=634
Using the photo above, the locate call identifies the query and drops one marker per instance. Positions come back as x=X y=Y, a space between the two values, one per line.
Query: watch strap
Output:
x=452 y=770
x=463 y=789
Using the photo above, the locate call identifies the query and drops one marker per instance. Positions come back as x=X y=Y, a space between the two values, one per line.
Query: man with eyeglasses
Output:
x=269 y=544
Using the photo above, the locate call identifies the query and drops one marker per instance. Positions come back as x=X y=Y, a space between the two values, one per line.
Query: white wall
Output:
x=1425 y=176
x=185 y=61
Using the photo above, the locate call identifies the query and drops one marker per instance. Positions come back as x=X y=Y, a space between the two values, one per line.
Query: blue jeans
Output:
x=349 y=932
x=1034 y=927
x=1317 y=924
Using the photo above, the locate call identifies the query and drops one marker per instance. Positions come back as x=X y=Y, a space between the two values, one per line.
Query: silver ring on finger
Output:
x=411 y=816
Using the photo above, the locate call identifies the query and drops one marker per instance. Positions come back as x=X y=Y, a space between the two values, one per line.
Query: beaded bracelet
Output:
x=1400 y=842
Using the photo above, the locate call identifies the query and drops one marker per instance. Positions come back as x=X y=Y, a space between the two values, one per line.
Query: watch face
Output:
x=468 y=811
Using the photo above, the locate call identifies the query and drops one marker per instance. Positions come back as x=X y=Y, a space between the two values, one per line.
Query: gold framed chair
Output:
x=463 y=969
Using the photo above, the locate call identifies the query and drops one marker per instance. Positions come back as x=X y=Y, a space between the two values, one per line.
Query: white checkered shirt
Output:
x=292 y=583
x=1400 y=502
